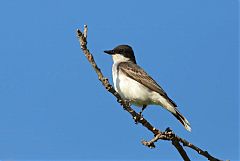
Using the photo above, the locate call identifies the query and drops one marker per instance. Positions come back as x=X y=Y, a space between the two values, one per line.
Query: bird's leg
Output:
x=143 y=108
x=140 y=113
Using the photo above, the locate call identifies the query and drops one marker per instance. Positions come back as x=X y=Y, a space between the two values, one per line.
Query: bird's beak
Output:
x=110 y=52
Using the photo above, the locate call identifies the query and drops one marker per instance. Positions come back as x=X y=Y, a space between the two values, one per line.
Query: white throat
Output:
x=119 y=58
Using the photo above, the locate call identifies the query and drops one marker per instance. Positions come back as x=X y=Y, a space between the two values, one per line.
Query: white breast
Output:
x=130 y=89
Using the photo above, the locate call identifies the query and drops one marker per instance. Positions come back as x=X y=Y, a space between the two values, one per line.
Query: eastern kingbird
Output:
x=136 y=86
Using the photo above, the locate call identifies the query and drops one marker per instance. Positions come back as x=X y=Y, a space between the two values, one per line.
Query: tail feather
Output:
x=182 y=119
x=171 y=107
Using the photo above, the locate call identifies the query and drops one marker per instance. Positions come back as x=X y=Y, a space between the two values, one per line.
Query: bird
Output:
x=136 y=86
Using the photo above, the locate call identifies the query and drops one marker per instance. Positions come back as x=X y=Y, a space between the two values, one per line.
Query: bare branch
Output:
x=180 y=149
x=166 y=135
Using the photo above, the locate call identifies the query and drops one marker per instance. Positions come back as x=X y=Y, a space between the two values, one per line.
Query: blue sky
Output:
x=54 y=108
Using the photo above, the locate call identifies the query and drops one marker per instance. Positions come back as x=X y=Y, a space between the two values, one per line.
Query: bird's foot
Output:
x=137 y=119
x=140 y=113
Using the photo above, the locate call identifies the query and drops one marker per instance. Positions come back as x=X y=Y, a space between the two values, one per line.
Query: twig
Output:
x=166 y=135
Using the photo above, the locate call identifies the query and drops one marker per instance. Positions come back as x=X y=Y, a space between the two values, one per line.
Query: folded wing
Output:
x=138 y=74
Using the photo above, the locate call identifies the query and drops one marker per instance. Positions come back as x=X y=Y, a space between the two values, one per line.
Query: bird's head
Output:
x=122 y=53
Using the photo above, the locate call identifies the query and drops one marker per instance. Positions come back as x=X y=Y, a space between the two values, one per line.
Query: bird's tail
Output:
x=178 y=115
x=182 y=119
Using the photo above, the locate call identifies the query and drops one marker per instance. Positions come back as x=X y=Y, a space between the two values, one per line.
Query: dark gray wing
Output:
x=137 y=73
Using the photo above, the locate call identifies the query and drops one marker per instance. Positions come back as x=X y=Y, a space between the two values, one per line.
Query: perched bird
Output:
x=136 y=86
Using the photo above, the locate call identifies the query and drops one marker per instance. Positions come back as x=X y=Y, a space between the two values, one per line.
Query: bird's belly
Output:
x=131 y=90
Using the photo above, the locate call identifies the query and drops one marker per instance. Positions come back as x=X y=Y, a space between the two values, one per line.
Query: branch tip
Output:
x=85 y=31
x=79 y=33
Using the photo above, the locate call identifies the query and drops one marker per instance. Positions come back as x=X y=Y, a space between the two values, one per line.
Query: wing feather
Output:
x=138 y=74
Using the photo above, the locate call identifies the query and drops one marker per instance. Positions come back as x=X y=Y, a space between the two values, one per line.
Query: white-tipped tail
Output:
x=182 y=119
x=171 y=108
x=168 y=104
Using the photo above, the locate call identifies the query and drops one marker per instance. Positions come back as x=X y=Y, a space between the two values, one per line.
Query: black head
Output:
x=124 y=50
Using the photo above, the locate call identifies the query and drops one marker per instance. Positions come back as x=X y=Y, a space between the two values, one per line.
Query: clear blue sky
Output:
x=53 y=107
